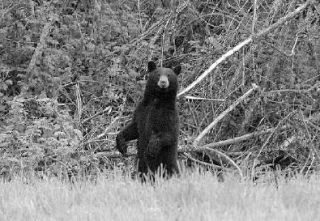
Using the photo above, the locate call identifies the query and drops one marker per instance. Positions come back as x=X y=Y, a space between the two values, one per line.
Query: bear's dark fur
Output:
x=155 y=123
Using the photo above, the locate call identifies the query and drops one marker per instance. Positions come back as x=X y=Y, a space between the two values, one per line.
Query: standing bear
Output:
x=155 y=123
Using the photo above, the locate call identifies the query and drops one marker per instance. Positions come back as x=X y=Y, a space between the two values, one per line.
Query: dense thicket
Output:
x=72 y=72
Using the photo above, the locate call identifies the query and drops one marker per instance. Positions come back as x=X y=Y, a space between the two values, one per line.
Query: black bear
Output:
x=155 y=123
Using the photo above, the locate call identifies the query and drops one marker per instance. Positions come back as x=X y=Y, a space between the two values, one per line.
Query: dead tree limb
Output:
x=223 y=114
x=187 y=149
x=240 y=138
x=202 y=163
x=227 y=158
x=207 y=147
x=243 y=43
x=214 y=65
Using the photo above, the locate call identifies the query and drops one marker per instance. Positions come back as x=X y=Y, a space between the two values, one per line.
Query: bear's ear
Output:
x=177 y=70
x=151 y=66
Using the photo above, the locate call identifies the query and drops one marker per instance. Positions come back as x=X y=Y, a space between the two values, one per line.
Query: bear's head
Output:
x=162 y=82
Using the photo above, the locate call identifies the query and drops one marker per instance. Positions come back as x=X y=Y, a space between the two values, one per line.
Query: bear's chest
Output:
x=160 y=120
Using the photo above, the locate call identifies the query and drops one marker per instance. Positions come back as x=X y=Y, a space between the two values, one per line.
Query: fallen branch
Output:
x=243 y=43
x=240 y=139
x=227 y=158
x=186 y=149
x=214 y=65
x=207 y=147
x=182 y=150
x=223 y=114
x=203 y=163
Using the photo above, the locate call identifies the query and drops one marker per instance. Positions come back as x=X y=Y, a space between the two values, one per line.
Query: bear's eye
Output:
x=163 y=81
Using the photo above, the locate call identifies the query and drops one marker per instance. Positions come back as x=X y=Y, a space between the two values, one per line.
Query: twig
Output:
x=79 y=104
x=114 y=154
x=108 y=128
x=223 y=114
x=269 y=137
x=107 y=109
x=284 y=19
x=149 y=31
x=294 y=46
x=287 y=142
x=7 y=69
x=243 y=43
x=202 y=98
x=227 y=158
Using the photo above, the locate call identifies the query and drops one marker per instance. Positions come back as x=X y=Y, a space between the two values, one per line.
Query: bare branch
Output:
x=227 y=158
x=202 y=163
x=243 y=43
x=223 y=114
x=202 y=98
x=215 y=64
x=284 y=19
x=117 y=155
x=214 y=144
x=241 y=138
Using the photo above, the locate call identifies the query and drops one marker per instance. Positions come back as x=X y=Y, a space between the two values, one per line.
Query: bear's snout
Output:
x=163 y=81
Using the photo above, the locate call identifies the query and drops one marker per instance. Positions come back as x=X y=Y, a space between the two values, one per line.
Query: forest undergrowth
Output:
x=72 y=72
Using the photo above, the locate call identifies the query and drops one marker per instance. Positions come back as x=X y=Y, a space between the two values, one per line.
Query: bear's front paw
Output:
x=121 y=145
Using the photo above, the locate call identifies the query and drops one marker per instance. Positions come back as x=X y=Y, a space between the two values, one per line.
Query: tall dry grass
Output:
x=193 y=196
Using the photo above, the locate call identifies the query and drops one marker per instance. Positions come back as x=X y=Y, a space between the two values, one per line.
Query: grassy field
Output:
x=192 y=197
